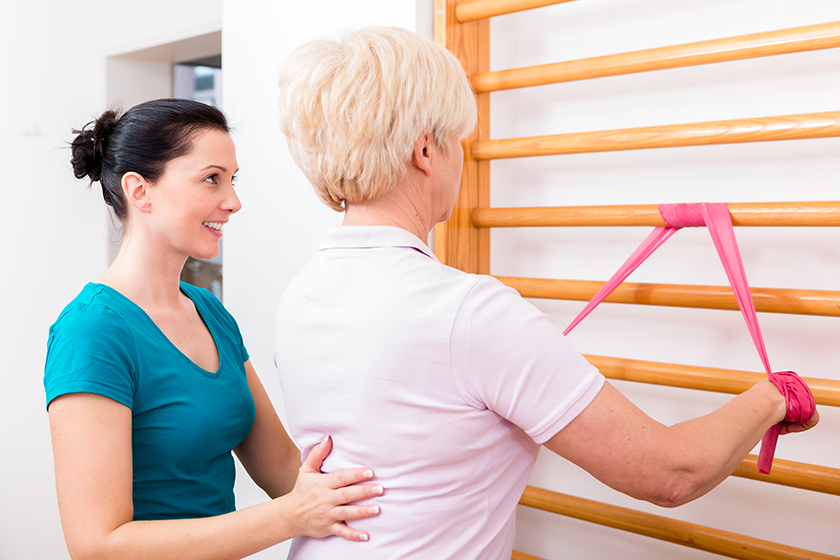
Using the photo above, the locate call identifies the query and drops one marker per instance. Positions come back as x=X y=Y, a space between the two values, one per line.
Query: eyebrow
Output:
x=219 y=167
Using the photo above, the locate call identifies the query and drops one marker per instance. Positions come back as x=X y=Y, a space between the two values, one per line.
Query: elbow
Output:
x=87 y=553
x=84 y=553
x=91 y=549
x=672 y=496
x=674 y=490
x=686 y=486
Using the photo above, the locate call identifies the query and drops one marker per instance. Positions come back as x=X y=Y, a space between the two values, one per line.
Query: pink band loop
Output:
x=798 y=397
x=800 y=406
x=715 y=216
x=682 y=215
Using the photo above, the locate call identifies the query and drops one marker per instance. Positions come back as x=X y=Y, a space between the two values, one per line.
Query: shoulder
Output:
x=93 y=310
x=490 y=298
x=91 y=347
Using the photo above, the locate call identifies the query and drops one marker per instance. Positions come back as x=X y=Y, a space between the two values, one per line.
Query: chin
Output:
x=206 y=255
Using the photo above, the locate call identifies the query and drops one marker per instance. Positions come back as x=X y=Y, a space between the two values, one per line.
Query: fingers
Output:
x=340 y=479
x=791 y=427
x=358 y=493
x=316 y=457
x=349 y=533
x=348 y=513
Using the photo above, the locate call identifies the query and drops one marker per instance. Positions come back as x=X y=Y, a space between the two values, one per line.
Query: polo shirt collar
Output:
x=369 y=237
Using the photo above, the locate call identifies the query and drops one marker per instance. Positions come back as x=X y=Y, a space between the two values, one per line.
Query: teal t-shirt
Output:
x=185 y=420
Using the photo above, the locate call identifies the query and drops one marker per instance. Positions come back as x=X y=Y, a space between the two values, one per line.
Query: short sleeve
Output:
x=90 y=350
x=509 y=357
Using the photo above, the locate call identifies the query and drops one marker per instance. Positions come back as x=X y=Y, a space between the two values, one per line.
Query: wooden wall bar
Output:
x=754 y=214
x=761 y=129
x=770 y=300
x=791 y=473
x=784 y=41
x=458 y=243
x=472 y=10
x=733 y=381
x=663 y=528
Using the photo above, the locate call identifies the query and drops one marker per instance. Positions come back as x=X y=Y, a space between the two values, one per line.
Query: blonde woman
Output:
x=449 y=383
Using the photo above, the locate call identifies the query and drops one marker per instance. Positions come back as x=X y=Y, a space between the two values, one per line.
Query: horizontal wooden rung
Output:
x=663 y=528
x=754 y=214
x=472 y=10
x=732 y=381
x=791 y=473
x=783 y=41
x=759 y=129
x=770 y=300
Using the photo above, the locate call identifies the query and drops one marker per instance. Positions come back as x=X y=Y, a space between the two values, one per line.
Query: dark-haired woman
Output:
x=149 y=386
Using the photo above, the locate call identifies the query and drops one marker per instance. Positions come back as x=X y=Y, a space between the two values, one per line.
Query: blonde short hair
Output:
x=352 y=108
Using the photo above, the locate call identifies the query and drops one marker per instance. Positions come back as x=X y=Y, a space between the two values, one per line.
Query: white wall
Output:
x=54 y=60
x=53 y=56
x=54 y=241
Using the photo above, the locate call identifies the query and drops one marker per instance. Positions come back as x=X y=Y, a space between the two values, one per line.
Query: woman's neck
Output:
x=145 y=274
x=403 y=207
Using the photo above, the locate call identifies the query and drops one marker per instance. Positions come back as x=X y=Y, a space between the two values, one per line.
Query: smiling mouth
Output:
x=213 y=225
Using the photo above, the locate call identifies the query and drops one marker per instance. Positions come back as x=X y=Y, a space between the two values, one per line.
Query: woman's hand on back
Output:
x=318 y=503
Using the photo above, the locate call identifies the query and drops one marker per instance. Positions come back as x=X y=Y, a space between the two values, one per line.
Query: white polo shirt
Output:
x=444 y=383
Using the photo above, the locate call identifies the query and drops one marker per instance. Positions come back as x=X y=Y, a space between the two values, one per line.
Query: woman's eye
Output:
x=212 y=179
x=233 y=180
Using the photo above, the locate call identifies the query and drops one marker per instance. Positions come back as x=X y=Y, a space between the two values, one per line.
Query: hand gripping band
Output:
x=715 y=216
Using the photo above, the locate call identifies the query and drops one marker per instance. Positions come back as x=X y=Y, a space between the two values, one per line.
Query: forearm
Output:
x=629 y=451
x=231 y=536
x=276 y=472
x=710 y=448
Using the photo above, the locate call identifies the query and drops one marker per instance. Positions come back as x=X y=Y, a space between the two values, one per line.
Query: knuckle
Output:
x=341 y=478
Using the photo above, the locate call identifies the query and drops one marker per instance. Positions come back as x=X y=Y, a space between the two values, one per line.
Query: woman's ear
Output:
x=135 y=188
x=421 y=156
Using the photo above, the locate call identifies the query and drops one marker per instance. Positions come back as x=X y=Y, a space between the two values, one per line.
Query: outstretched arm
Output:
x=92 y=449
x=629 y=451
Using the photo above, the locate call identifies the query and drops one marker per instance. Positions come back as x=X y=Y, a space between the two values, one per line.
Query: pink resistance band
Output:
x=715 y=216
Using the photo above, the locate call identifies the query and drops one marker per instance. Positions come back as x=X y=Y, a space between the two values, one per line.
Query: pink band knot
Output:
x=798 y=397
x=682 y=215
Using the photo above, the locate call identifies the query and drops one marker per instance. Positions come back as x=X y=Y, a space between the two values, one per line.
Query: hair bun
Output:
x=89 y=146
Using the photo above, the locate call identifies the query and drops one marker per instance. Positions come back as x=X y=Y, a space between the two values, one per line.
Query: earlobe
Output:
x=135 y=189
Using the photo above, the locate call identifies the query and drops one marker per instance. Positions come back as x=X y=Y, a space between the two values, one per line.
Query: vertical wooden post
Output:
x=457 y=242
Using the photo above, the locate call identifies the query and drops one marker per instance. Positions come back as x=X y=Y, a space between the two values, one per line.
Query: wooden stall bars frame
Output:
x=463 y=241
x=458 y=242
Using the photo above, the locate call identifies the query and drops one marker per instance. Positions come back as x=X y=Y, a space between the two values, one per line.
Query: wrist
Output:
x=775 y=398
x=287 y=526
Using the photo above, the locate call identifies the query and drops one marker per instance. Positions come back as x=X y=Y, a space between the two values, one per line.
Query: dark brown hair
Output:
x=142 y=140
